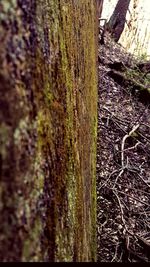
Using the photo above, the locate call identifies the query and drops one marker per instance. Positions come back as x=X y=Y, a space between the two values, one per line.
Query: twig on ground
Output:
x=132 y=147
x=114 y=257
x=140 y=201
x=144 y=137
x=112 y=173
x=122 y=213
x=120 y=173
x=143 y=179
x=144 y=241
x=123 y=144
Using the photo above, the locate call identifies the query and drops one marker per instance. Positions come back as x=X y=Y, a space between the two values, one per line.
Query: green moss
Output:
x=5 y=132
x=31 y=249
x=54 y=133
x=8 y=8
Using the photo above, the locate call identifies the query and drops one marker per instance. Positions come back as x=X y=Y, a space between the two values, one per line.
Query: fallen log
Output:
x=144 y=67
x=117 y=65
x=136 y=88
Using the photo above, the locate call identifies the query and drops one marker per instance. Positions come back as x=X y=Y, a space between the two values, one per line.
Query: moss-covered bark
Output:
x=133 y=80
x=48 y=100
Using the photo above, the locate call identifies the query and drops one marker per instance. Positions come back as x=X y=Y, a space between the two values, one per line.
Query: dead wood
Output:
x=123 y=158
x=117 y=65
x=144 y=67
x=136 y=88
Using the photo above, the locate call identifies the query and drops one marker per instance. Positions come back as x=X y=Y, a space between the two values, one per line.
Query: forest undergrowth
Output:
x=123 y=157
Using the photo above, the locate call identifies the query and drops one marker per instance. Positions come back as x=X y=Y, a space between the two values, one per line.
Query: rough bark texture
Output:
x=48 y=100
x=117 y=20
x=99 y=4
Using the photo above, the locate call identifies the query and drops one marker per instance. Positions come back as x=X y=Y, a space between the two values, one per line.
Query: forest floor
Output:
x=123 y=158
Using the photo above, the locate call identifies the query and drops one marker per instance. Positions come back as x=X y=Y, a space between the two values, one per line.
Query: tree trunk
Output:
x=48 y=100
x=99 y=4
x=117 y=20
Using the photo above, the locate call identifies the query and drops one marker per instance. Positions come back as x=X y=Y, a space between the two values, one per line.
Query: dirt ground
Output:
x=123 y=165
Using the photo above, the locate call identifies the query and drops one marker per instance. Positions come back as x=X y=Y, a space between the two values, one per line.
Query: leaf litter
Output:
x=123 y=163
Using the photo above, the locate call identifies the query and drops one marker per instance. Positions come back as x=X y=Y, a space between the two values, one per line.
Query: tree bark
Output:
x=48 y=116
x=118 y=18
x=99 y=4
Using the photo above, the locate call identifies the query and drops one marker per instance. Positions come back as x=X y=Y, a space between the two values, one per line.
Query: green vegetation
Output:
x=135 y=79
x=48 y=134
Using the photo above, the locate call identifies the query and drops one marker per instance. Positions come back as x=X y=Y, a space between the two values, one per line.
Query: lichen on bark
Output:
x=48 y=99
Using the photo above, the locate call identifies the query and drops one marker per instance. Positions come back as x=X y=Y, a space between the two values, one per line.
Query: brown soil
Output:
x=123 y=165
